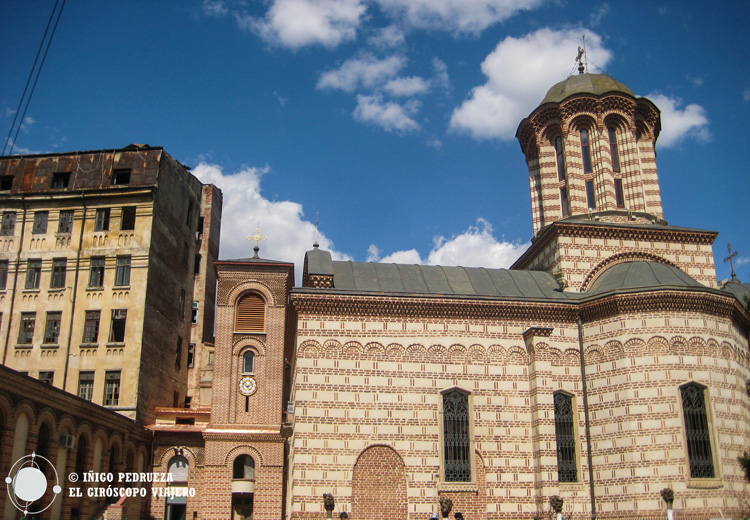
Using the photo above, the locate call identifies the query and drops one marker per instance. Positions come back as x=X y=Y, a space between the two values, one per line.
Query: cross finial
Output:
x=257 y=237
x=579 y=59
x=731 y=262
x=315 y=244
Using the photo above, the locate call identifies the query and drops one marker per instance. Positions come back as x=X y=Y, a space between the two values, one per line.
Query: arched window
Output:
x=251 y=314
x=243 y=468
x=586 y=151
x=43 y=448
x=619 y=196
x=248 y=362
x=567 y=468
x=178 y=468
x=700 y=455
x=613 y=149
x=590 y=194
x=564 y=202
x=560 y=154
x=456 y=437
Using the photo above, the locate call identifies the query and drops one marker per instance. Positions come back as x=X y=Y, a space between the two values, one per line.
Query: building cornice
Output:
x=606 y=230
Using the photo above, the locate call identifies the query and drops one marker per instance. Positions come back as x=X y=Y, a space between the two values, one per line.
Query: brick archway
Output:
x=379 y=485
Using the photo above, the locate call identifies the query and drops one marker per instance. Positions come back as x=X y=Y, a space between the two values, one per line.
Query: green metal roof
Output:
x=641 y=275
x=596 y=84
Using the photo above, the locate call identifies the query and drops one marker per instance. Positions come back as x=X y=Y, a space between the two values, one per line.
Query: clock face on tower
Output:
x=248 y=386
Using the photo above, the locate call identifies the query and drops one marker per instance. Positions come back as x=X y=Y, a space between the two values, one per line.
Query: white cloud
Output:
x=679 y=123
x=746 y=94
x=457 y=16
x=519 y=72
x=441 y=78
x=407 y=87
x=597 y=15
x=364 y=71
x=476 y=247
x=297 y=23
x=388 y=37
x=390 y=116
x=245 y=208
x=215 y=8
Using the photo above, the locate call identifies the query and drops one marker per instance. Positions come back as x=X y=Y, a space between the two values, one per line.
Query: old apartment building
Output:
x=106 y=285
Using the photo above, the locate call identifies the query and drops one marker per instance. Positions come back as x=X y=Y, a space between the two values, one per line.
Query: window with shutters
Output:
x=251 y=314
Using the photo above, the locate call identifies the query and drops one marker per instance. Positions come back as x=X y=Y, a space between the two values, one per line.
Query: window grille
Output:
x=91 y=328
x=52 y=330
x=59 y=268
x=86 y=385
x=567 y=469
x=26 y=330
x=33 y=273
x=122 y=272
x=102 y=219
x=65 y=224
x=40 y=222
x=8 y=224
x=697 y=432
x=456 y=442
x=96 y=273
x=112 y=388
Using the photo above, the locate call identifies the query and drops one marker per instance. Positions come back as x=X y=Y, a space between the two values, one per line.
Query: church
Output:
x=605 y=366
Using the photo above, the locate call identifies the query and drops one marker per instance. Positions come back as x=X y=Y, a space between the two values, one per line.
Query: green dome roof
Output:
x=596 y=84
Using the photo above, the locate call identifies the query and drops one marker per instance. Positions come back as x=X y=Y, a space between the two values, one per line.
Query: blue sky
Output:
x=393 y=120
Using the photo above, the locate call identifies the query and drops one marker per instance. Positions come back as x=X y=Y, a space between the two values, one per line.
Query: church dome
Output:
x=596 y=84
x=641 y=274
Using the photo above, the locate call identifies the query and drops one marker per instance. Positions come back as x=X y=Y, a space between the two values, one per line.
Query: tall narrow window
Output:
x=8 y=224
x=251 y=313
x=564 y=203
x=3 y=274
x=40 y=222
x=590 y=195
x=96 y=272
x=59 y=269
x=26 y=330
x=586 y=151
x=697 y=431
x=248 y=362
x=191 y=357
x=112 y=388
x=33 y=273
x=456 y=440
x=65 y=224
x=560 y=154
x=47 y=376
x=86 y=385
x=613 y=149
x=567 y=468
x=122 y=273
x=102 y=220
x=52 y=328
x=117 y=331
x=127 y=221
x=189 y=219
x=619 y=198
x=91 y=327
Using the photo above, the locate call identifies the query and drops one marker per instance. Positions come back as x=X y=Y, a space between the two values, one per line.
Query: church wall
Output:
x=636 y=363
x=365 y=382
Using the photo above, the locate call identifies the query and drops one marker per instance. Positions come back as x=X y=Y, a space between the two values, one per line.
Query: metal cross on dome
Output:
x=257 y=237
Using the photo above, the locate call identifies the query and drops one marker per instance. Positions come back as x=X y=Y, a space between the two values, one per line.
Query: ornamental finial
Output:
x=257 y=237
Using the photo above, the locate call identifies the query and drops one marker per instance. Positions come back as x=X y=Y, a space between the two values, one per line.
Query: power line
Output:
x=12 y=141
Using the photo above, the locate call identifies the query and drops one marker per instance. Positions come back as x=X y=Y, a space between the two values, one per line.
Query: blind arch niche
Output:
x=250 y=313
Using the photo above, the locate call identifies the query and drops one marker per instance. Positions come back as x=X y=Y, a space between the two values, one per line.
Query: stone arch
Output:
x=379 y=478
x=416 y=348
x=243 y=449
x=352 y=348
x=620 y=258
x=309 y=348
x=496 y=353
x=555 y=356
x=593 y=355
x=634 y=346
x=727 y=352
x=517 y=356
x=657 y=345
x=331 y=346
x=477 y=353
x=374 y=348
x=436 y=350
x=572 y=356
x=614 y=350
x=457 y=353
x=394 y=349
x=252 y=286
x=243 y=343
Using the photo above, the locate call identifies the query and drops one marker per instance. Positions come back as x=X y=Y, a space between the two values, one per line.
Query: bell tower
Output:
x=595 y=197
x=589 y=147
